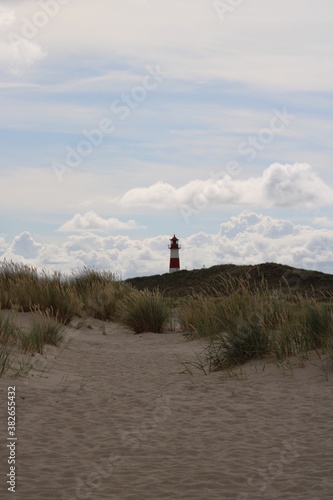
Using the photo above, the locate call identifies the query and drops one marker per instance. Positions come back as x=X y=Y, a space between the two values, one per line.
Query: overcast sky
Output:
x=126 y=121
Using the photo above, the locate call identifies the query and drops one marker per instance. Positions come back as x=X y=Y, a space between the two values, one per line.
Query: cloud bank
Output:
x=200 y=44
x=248 y=238
x=279 y=185
x=90 y=221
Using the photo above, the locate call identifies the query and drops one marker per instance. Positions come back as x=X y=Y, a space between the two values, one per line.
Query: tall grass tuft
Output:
x=242 y=324
x=23 y=288
x=287 y=341
x=58 y=297
x=4 y=360
x=12 y=276
x=249 y=341
x=88 y=291
x=318 y=325
x=84 y=279
x=9 y=332
x=209 y=316
x=102 y=300
x=45 y=329
x=9 y=335
x=100 y=292
x=145 y=311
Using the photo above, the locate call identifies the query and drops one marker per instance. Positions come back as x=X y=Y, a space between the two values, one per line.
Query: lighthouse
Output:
x=174 y=254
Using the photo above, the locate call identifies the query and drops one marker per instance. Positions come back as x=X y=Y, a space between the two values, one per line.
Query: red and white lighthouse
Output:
x=174 y=254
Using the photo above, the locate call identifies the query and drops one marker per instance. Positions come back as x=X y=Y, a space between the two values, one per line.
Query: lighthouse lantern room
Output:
x=174 y=254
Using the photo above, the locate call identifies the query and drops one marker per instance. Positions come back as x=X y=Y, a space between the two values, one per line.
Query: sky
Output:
x=123 y=122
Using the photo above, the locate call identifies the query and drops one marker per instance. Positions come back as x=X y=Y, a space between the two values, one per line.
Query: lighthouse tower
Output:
x=174 y=255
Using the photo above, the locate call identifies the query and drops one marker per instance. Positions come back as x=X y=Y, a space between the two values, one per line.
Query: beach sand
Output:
x=111 y=416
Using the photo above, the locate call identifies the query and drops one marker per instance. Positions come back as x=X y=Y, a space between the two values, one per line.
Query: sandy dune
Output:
x=111 y=417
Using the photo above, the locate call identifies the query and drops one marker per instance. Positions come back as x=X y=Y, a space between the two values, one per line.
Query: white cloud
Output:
x=7 y=17
x=16 y=52
x=254 y=44
x=24 y=246
x=323 y=221
x=3 y=244
x=90 y=221
x=251 y=222
x=295 y=185
x=249 y=238
x=279 y=186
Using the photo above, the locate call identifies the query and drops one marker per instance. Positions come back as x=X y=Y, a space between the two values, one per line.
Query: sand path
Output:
x=111 y=417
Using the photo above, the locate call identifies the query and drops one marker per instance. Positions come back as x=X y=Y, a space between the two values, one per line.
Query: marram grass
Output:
x=144 y=311
x=45 y=329
x=238 y=324
x=14 y=341
x=88 y=292
x=252 y=324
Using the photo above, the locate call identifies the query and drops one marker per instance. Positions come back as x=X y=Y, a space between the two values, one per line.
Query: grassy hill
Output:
x=275 y=276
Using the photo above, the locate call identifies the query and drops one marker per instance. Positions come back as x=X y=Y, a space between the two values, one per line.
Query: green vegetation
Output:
x=44 y=329
x=15 y=342
x=23 y=288
x=9 y=332
x=89 y=292
x=145 y=311
x=277 y=276
x=251 y=323
x=240 y=312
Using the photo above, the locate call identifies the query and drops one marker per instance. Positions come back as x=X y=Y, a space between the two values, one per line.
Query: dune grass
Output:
x=145 y=311
x=249 y=341
x=15 y=342
x=9 y=332
x=239 y=323
x=56 y=299
x=83 y=279
x=44 y=329
x=101 y=300
x=22 y=288
x=87 y=292
x=251 y=324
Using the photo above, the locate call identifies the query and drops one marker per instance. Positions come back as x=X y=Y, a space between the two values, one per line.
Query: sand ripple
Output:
x=112 y=418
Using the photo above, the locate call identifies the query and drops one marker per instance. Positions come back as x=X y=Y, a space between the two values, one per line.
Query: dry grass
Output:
x=16 y=342
x=44 y=329
x=239 y=323
x=22 y=288
x=250 y=324
x=145 y=311
x=88 y=292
